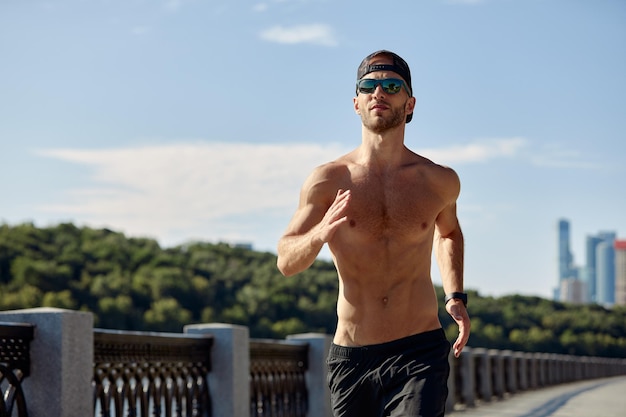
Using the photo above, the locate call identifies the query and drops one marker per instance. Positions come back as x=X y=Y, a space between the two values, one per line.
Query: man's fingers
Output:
x=461 y=341
x=339 y=206
x=459 y=315
x=335 y=215
x=458 y=347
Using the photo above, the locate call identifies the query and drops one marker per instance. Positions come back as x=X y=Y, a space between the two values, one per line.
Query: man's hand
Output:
x=334 y=217
x=457 y=310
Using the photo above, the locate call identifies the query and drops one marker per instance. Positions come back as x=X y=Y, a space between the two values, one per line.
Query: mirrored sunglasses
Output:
x=389 y=85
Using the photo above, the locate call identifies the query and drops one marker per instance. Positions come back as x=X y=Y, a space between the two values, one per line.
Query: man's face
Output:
x=381 y=111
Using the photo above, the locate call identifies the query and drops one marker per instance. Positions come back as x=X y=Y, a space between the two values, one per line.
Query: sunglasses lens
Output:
x=367 y=86
x=389 y=85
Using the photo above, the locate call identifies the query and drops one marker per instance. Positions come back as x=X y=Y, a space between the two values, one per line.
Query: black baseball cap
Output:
x=399 y=66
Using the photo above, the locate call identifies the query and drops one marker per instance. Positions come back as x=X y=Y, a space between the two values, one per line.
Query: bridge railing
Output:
x=15 y=341
x=217 y=370
x=277 y=378
x=484 y=375
x=138 y=373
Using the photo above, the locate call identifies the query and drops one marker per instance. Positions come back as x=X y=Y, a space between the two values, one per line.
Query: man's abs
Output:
x=371 y=314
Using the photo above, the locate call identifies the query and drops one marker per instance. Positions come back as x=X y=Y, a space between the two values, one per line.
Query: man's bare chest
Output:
x=392 y=208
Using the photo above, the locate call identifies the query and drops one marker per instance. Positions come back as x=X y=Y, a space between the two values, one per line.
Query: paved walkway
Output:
x=595 y=398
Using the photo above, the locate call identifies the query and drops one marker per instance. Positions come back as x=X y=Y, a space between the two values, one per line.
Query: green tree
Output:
x=134 y=284
x=166 y=315
x=61 y=299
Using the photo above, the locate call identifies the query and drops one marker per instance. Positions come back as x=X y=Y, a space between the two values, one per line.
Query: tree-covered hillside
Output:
x=134 y=284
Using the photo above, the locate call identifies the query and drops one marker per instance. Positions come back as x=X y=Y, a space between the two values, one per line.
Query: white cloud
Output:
x=549 y=155
x=479 y=151
x=260 y=7
x=318 y=34
x=179 y=191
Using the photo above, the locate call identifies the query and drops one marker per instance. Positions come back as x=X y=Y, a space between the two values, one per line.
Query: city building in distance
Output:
x=620 y=272
x=602 y=280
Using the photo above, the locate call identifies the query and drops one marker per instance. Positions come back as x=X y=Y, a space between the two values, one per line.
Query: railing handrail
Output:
x=270 y=349
x=129 y=346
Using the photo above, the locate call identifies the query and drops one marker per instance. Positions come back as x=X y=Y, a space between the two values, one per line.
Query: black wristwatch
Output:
x=458 y=295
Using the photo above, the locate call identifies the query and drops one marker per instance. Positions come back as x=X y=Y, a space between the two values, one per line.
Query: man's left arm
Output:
x=448 y=245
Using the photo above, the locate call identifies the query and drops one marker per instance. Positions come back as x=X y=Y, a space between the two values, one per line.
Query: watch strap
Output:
x=456 y=295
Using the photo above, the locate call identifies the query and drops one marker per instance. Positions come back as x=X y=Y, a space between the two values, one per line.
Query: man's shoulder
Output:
x=441 y=177
x=327 y=178
x=332 y=170
x=444 y=171
x=434 y=168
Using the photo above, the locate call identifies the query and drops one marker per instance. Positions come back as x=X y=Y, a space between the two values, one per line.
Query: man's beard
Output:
x=383 y=124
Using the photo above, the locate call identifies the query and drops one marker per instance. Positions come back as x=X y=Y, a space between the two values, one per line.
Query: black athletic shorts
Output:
x=402 y=378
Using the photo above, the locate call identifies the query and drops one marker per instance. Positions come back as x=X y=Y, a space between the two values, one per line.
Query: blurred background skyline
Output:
x=198 y=120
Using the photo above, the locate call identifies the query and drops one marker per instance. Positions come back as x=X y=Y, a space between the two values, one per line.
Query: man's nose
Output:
x=378 y=91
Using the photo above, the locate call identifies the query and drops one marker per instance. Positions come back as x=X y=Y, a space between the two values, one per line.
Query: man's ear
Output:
x=357 y=110
x=410 y=105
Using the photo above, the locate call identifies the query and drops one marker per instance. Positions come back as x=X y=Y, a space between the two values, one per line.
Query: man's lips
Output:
x=379 y=106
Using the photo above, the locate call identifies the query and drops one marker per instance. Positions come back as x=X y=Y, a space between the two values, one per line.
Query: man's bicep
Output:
x=316 y=196
x=312 y=206
x=447 y=222
x=303 y=220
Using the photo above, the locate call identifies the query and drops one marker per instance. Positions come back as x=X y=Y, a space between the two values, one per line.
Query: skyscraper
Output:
x=620 y=272
x=565 y=254
x=605 y=269
x=570 y=288
x=590 y=266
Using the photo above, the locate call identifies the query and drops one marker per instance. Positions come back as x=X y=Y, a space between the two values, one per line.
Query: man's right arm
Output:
x=313 y=225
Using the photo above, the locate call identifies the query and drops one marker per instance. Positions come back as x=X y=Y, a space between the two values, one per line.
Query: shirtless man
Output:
x=382 y=209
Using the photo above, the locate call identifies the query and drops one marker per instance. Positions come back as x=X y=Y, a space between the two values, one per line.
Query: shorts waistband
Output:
x=355 y=352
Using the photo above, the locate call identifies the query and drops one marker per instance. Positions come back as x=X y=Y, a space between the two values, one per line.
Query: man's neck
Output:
x=385 y=150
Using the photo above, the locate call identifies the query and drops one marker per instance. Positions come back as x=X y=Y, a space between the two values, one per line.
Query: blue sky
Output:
x=195 y=119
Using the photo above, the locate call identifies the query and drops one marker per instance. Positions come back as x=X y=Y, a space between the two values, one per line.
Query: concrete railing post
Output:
x=584 y=367
x=466 y=364
x=542 y=373
x=574 y=368
x=497 y=372
x=531 y=360
x=316 y=382
x=229 y=378
x=61 y=357
x=568 y=369
x=558 y=368
x=452 y=377
x=483 y=373
x=552 y=374
x=522 y=374
x=510 y=371
x=578 y=369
